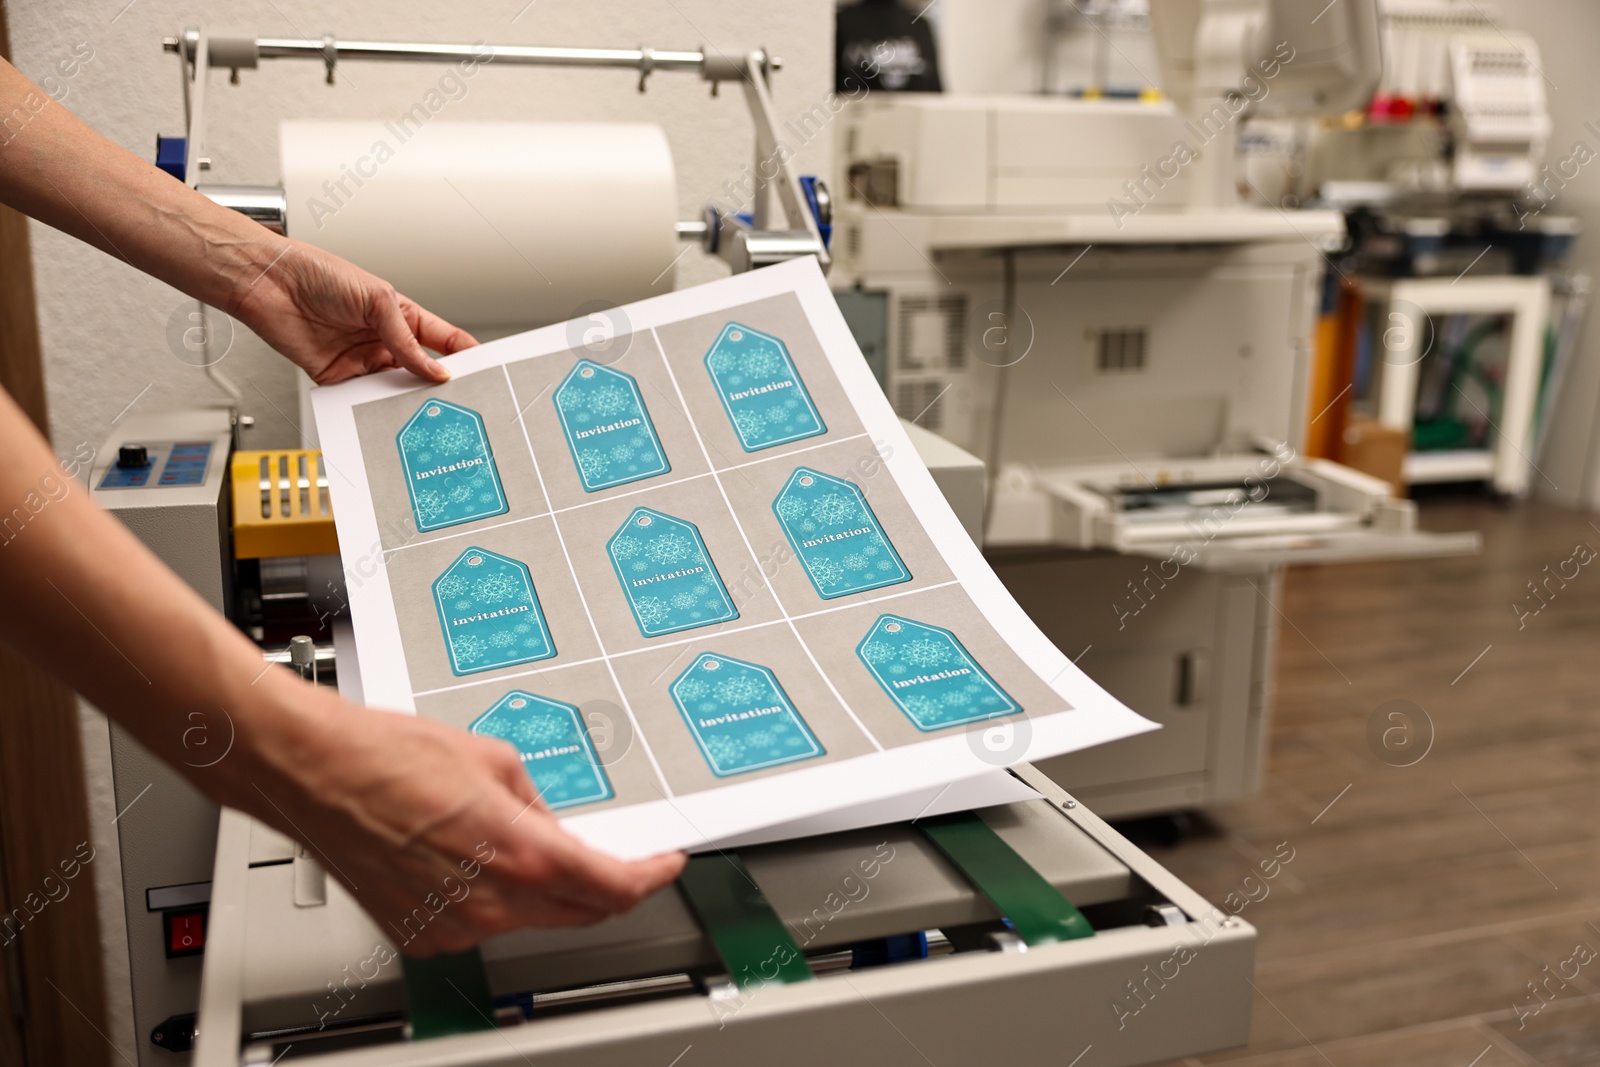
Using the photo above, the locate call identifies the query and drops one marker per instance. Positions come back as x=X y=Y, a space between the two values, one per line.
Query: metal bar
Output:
x=221 y=1012
x=195 y=147
x=259 y=203
x=641 y=59
x=773 y=168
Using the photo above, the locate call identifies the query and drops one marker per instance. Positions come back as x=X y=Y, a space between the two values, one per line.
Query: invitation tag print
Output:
x=607 y=427
x=760 y=390
x=740 y=716
x=930 y=676
x=449 y=466
x=490 y=614
x=667 y=574
x=554 y=746
x=837 y=538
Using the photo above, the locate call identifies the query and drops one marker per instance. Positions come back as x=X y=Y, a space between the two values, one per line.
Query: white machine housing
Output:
x=1499 y=116
x=166 y=839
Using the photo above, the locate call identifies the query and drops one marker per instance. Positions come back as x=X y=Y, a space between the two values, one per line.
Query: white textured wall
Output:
x=104 y=324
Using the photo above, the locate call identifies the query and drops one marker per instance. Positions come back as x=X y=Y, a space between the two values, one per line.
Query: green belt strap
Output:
x=448 y=994
x=748 y=935
x=1037 y=910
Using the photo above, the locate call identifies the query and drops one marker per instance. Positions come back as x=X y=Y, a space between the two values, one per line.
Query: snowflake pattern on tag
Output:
x=449 y=466
x=607 y=427
x=836 y=536
x=489 y=612
x=740 y=716
x=930 y=676
x=760 y=389
x=554 y=746
x=667 y=574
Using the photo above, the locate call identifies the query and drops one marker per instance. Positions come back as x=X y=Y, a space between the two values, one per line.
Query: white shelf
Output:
x=1457 y=465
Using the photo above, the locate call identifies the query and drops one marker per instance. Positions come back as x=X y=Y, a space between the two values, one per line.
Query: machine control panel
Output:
x=157 y=464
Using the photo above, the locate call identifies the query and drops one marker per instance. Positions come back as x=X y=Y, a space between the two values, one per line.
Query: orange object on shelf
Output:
x=1333 y=368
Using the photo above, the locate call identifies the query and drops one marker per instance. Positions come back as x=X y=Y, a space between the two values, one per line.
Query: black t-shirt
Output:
x=885 y=46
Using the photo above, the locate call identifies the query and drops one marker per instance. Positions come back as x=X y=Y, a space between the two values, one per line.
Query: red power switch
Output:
x=186 y=933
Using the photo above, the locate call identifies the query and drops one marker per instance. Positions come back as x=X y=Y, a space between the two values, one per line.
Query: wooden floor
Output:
x=1422 y=900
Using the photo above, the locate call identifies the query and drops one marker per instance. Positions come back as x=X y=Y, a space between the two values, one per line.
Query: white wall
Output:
x=103 y=324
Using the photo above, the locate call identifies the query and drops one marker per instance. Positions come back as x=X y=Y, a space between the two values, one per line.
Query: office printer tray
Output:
x=1229 y=512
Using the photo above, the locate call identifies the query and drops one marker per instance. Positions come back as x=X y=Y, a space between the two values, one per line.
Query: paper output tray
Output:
x=1276 y=512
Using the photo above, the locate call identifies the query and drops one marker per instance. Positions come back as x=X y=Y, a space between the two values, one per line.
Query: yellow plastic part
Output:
x=281 y=505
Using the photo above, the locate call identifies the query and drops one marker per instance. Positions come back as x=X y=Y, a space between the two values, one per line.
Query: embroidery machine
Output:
x=1032 y=931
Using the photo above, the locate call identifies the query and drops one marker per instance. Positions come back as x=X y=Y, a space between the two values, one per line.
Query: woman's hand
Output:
x=336 y=321
x=439 y=834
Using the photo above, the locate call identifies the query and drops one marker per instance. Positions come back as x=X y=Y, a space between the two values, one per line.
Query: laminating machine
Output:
x=945 y=934
x=1031 y=931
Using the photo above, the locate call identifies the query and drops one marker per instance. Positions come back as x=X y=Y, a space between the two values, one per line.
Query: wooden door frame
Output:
x=53 y=1009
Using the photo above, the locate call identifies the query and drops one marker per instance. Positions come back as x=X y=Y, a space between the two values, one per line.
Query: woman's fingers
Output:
x=508 y=769
x=433 y=331
x=611 y=883
x=385 y=316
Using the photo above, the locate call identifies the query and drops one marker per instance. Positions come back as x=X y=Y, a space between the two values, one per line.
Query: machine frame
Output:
x=1165 y=976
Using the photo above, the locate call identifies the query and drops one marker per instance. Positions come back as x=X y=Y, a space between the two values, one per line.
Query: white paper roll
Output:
x=490 y=224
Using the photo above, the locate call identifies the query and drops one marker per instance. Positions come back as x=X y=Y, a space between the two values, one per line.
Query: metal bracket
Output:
x=647 y=63
x=198 y=70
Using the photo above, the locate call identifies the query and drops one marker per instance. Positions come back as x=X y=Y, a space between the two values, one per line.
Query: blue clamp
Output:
x=172 y=155
x=808 y=185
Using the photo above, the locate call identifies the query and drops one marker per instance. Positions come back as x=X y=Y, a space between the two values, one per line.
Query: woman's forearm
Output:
x=61 y=172
x=88 y=602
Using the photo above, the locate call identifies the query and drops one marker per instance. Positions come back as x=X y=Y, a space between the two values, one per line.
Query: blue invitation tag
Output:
x=554 y=746
x=740 y=716
x=449 y=466
x=667 y=574
x=490 y=613
x=607 y=427
x=930 y=676
x=760 y=390
x=836 y=536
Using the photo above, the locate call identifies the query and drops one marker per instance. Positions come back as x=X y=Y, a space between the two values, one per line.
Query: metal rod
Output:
x=260 y=203
x=641 y=59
